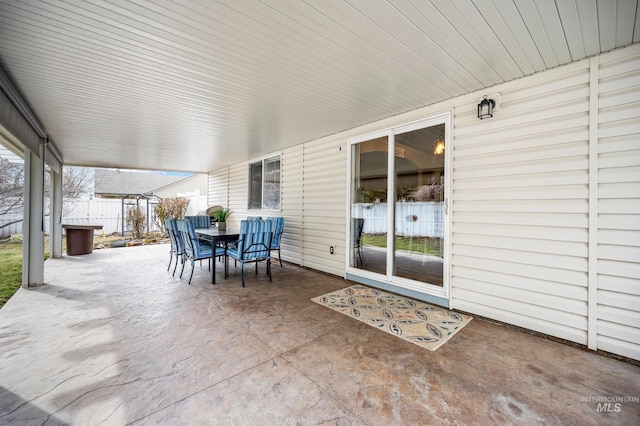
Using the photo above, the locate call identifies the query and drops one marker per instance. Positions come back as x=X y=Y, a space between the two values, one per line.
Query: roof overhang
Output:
x=193 y=86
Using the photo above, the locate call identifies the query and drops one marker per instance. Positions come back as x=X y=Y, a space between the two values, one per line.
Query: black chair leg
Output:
x=170 y=260
x=242 y=273
x=182 y=270
x=269 y=269
x=193 y=266
x=279 y=258
x=176 y=265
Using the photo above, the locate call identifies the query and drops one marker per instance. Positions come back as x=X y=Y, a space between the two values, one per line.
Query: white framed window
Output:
x=264 y=184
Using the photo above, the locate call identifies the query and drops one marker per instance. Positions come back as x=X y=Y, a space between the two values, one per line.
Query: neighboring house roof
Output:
x=195 y=180
x=121 y=183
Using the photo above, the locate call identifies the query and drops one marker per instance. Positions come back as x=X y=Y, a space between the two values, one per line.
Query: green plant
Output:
x=221 y=215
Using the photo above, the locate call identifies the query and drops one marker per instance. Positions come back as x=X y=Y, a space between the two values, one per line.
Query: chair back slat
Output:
x=278 y=227
x=255 y=240
x=189 y=237
x=174 y=236
x=199 y=221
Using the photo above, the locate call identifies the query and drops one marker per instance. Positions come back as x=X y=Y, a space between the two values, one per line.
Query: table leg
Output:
x=214 y=243
x=213 y=268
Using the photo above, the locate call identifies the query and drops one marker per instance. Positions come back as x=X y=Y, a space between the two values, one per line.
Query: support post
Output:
x=55 y=214
x=33 y=224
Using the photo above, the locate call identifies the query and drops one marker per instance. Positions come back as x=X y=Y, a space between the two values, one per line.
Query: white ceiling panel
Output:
x=497 y=19
x=195 y=85
x=542 y=20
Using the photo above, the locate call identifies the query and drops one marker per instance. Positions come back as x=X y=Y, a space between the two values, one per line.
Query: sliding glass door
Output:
x=398 y=215
x=369 y=213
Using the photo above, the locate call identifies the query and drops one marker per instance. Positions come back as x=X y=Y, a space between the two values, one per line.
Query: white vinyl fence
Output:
x=197 y=202
x=97 y=211
x=107 y=213
x=419 y=219
x=15 y=228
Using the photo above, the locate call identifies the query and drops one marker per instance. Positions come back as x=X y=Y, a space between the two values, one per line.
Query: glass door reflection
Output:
x=398 y=205
x=419 y=205
x=369 y=205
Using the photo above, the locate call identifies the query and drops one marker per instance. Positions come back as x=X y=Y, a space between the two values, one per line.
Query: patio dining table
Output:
x=216 y=236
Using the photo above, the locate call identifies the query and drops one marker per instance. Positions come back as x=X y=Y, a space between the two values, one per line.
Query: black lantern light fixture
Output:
x=485 y=108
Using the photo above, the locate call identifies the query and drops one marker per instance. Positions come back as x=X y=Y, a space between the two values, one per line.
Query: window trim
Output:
x=263 y=161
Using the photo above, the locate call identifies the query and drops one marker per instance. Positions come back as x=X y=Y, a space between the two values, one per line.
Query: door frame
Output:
x=422 y=291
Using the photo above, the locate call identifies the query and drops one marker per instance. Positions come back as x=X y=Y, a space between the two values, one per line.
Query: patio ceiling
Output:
x=195 y=85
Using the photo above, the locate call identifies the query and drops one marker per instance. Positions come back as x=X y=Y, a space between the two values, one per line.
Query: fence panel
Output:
x=420 y=219
x=15 y=228
x=197 y=202
x=105 y=212
x=97 y=211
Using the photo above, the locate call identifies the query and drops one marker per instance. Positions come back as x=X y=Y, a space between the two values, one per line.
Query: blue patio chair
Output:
x=253 y=246
x=278 y=227
x=199 y=221
x=177 y=246
x=194 y=249
x=248 y=219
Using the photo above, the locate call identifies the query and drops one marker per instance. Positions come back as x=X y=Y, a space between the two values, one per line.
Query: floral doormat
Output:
x=426 y=325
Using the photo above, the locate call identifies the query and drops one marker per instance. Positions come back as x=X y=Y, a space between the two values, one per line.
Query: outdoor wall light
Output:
x=439 y=149
x=485 y=108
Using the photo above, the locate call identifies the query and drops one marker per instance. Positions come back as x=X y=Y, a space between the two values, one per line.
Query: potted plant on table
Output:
x=221 y=217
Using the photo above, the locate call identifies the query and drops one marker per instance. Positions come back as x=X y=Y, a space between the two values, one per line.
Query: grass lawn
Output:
x=424 y=245
x=10 y=270
x=11 y=262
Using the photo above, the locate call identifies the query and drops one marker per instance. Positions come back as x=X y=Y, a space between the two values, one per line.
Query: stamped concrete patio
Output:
x=114 y=339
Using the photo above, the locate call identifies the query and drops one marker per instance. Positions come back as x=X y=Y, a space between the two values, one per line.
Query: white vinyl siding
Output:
x=543 y=235
x=291 y=204
x=618 y=260
x=520 y=206
x=238 y=191
x=229 y=187
x=324 y=194
x=218 y=188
